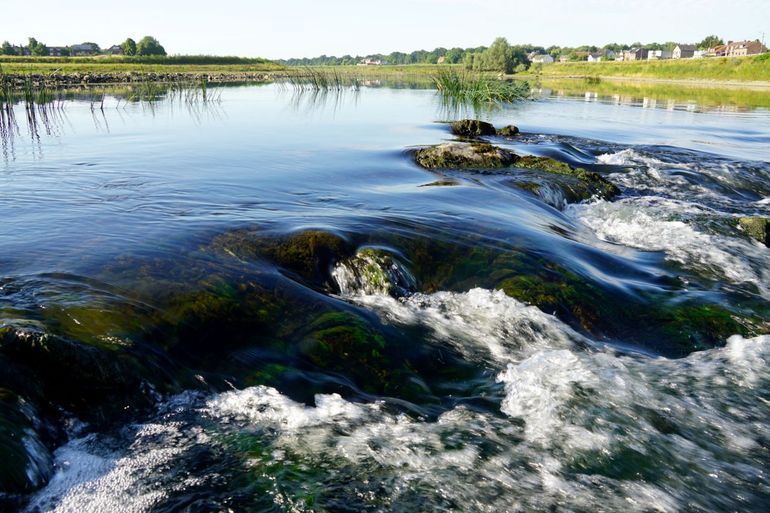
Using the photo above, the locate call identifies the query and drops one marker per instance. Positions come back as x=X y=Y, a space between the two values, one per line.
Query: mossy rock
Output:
x=472 y=128
x=96 y=384
x=463 y=155
x=508 y=131
x=757 y=228
x=578 y=184
x=374 y=271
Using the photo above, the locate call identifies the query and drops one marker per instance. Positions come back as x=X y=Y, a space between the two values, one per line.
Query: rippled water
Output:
x=264 y=304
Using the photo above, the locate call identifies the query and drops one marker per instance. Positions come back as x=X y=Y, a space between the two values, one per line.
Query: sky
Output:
x=278 y=29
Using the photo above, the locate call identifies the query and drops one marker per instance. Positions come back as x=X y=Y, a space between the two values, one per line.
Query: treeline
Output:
x=142 y=59
x=147 y=46
x=476 y=58
x=500 y=56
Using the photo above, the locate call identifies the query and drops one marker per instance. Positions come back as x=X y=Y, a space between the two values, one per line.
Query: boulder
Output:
x=458 y=155
x=508 y=131
x=472 y=128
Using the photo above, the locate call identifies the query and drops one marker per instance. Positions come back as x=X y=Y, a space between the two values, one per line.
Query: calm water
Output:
x=204 y=352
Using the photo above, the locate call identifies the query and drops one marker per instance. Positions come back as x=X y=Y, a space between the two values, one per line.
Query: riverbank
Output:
x=721 y=70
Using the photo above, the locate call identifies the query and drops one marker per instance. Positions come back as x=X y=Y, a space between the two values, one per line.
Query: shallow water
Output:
x=521 y=355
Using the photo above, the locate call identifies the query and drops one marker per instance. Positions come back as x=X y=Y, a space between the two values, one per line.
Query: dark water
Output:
x=262 y=303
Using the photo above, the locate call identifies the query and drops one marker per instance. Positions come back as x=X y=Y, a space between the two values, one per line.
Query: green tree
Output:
x=37 y=48
x=148 y=45
x=129 y=46
x=710 y=42
x=7 y=49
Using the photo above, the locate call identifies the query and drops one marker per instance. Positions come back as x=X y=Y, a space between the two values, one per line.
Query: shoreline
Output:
x=18 y=80
x=760 y=85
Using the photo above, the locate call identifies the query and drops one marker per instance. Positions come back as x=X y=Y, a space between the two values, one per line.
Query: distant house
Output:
x=636 y=54
x=744 y=48
x=370 y=62
x=683 y=52
x=541 y=58
x=84 y=49
x=582 y=56
x=595 y=57
x=563 y=58
x=654 y=55
x=114 y=50
x=57 y=51
x=610 y=55
x=716 y=51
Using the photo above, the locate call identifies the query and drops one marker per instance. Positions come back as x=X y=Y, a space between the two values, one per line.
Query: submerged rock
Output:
x=472 y=128
x=310 y=254
x=457 y=155
x=757 y=228
x=508 y=131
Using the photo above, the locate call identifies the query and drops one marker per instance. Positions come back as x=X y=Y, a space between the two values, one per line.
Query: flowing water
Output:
x=262 y=303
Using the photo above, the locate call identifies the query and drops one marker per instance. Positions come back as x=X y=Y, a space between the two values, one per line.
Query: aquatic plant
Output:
x=473 y=89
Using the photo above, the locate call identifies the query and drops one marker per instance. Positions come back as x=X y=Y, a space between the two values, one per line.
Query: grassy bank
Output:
x=718 y=69
x=703 y=95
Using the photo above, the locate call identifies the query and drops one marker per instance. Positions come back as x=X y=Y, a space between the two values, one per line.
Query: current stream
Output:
x=264 y=304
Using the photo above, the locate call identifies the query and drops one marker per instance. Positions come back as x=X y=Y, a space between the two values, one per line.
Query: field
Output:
x=123 y=64
x=717 y=69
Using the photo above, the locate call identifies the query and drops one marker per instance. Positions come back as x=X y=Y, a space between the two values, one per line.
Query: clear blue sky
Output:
x=305 y=28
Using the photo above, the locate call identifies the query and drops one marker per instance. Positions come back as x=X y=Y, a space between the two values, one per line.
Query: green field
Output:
x=719 y=68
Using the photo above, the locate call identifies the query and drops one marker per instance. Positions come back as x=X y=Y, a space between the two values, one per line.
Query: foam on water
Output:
x=680 y=230
x=577 y=427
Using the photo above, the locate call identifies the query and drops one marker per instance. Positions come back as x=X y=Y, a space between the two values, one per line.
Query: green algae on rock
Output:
x=581 y=184
x=373 y=271
x=459 y=155
x=310 y=253
x=757 y=228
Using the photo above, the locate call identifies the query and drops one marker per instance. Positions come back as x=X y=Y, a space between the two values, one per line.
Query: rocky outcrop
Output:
x=508 y=131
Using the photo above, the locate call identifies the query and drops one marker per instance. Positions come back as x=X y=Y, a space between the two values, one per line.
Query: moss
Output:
x=598 y=184
x=508 y=131
x=472 y=128
x=757 y=228
x=309 y=254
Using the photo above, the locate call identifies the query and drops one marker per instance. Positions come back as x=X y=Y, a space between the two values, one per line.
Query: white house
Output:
x=541 y=58
x=683 y=52
x=655 y=55
x=595 y=57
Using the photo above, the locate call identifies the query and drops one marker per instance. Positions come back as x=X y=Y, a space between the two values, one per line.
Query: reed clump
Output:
x=472 y=89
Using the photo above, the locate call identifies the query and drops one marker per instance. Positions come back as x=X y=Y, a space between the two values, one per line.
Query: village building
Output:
x=84 y=49
x=744 y=48
x=57 y=51
x=636 y=54
x=655 y=55
x=683 y=52
x=114 y=50
x=541 y=58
